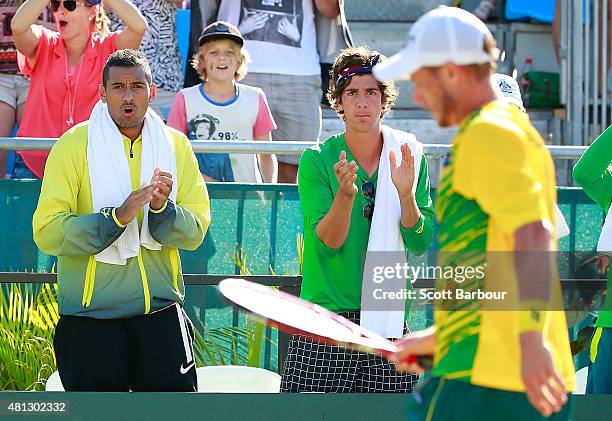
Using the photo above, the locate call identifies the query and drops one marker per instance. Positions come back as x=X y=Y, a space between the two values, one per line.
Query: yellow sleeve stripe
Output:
x=595 y=344
x=119 y=224
x=419 y=230
x=160 y=210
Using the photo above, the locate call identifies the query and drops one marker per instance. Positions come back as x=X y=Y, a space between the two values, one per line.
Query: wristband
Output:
x=160 y=210
x=119 y=224
x=532 y=316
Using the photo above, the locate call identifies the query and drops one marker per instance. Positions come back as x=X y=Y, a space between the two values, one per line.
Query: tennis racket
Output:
x=296 y=316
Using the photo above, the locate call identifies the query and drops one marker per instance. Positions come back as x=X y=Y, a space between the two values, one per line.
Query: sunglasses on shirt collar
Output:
x=368 y=191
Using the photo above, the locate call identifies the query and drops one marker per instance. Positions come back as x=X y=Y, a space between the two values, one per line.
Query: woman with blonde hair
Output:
x=65 y=66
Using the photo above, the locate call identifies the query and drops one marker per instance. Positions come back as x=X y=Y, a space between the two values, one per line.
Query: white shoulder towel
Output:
x=604 y=245
x=109 y=175
x=385 y=232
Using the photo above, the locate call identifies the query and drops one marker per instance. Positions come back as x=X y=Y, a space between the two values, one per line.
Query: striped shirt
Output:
x=160 y=42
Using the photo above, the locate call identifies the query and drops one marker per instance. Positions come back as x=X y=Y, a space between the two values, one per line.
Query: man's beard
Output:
x=447 y=110
x=128 y=124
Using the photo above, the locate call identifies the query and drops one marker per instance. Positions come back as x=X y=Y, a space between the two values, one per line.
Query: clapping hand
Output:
x=346 y=174
x=162 y=186
x=402 y=176
x=134 y=203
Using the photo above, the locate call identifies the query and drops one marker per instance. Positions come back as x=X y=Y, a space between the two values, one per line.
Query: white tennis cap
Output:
x=509 y=89
x=443 y=35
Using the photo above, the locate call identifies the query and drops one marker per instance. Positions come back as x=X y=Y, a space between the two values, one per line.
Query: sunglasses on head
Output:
x=69 y=5
x=368 y=191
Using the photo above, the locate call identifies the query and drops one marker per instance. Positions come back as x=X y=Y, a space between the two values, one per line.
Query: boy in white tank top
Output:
x=222 y=109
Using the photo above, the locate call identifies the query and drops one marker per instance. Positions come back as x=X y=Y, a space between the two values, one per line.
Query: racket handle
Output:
x=425 y=361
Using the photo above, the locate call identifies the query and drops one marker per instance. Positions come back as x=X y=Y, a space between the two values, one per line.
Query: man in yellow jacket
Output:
x=122 y=326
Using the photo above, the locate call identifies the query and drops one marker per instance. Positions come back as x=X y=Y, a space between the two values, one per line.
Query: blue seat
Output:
x=541 y=10
x=183 y=25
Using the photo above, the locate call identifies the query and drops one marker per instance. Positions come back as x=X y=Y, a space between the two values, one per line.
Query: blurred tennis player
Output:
x=496 y=194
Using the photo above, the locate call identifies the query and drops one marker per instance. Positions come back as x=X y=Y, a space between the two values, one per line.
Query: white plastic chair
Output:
x=581 y=381
x=237 y=379
x=54 y=383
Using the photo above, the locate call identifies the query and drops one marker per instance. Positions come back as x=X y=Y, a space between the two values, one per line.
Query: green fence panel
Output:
x=262 y=220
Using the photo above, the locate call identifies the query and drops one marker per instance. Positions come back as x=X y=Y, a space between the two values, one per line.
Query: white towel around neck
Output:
x=109 y=175
x=385 y=234
x=604 y=245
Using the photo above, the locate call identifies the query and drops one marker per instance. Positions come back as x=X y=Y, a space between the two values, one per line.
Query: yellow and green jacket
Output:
x=64 y=225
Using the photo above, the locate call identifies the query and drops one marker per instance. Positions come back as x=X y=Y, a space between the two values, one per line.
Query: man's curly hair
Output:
x=357 y=56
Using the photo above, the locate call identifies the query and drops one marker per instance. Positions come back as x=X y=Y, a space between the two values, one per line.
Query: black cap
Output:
x=221 y=30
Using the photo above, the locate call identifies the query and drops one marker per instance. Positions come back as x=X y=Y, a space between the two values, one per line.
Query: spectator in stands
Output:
x=202 y=13
x=121 y=194
x=281 y=39
x=64 y=66
x=509 y=89
x=13 y=86
x=354 y=198
x=220 y=108
x=333 y=35
x=160 y=46
x=486 y=9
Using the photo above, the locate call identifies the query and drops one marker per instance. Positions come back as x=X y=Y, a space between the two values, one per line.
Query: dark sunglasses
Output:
x=368 y=191
x=69 y=5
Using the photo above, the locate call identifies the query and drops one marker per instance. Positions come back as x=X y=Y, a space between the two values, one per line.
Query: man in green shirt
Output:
x=337 y=184
x=592 y=173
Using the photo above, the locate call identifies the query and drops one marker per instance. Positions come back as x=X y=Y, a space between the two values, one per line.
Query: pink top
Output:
x=52 y=93
x=177 y=118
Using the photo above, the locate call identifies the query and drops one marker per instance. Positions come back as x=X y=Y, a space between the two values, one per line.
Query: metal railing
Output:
x=290 y=284
x=252 y=146
x=584 y=54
